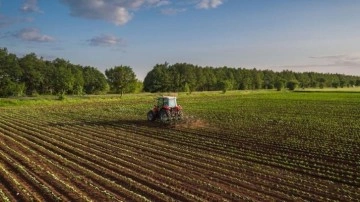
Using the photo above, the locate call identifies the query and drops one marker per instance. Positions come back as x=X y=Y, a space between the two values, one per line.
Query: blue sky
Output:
x=299 y=35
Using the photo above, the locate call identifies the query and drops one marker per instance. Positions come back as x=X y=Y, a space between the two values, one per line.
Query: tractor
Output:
x=166 y=110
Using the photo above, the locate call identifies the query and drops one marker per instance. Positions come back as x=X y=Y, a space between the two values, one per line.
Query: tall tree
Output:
x=33 y=69
x=200 y=79
x=258 y=77
x=321 y=81
x=121 y=79
x=10 y=75
x=77 y=74
x=94 y=81
x=63 y=79
x=245 y=79
x=279 y=83
x=269 y=79
x=158 y=79
x=304 y=80
x=211 y=79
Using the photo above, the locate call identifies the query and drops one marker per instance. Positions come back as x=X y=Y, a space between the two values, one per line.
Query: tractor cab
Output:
x=166 y=102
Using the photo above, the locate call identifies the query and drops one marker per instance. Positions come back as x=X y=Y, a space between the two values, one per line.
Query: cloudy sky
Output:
x=300 y=35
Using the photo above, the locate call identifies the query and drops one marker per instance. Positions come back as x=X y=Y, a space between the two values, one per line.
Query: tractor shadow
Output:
x=143 y=123
x=118 y=123
x=176 y=125
x=187 y=122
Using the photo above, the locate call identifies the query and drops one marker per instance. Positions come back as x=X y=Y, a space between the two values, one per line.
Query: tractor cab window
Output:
x=172 y=103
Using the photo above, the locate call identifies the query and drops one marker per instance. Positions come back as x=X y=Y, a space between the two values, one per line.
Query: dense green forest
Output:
x=31 y=75
x=188 y=77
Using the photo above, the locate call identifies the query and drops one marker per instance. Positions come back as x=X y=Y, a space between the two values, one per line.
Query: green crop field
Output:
x=238 y=146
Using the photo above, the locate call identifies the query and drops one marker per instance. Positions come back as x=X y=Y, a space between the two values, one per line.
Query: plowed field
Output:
x=232 y=147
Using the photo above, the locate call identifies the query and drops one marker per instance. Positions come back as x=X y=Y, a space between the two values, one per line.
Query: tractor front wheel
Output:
x=164 y=116
x=150 y=116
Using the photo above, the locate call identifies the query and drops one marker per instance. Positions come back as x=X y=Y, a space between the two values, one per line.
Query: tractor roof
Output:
x=169 y=97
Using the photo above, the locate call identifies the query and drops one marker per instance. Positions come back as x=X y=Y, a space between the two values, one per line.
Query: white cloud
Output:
x=30 y=6
x=106 y=40
x=33 y=34
x=114 y=11
x=8 y=21
x=342 y=63
x=111 y=11
x=340 y=60
x=172 y=11
x=160 y=3
x=152 y=3
x=328 y=57
x=207 y=4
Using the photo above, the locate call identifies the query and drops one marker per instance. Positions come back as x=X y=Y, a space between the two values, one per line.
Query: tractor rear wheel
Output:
x=180 y=115
x=150 y=116
x=164 y=116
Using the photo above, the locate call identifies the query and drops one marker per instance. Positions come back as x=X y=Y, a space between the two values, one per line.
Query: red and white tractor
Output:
x=166 y=110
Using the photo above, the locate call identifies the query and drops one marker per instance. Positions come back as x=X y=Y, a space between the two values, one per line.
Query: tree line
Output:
x=31 y=75
x=187 y=77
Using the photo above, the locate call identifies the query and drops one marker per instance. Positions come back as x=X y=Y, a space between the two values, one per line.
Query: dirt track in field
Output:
x=55 y=158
